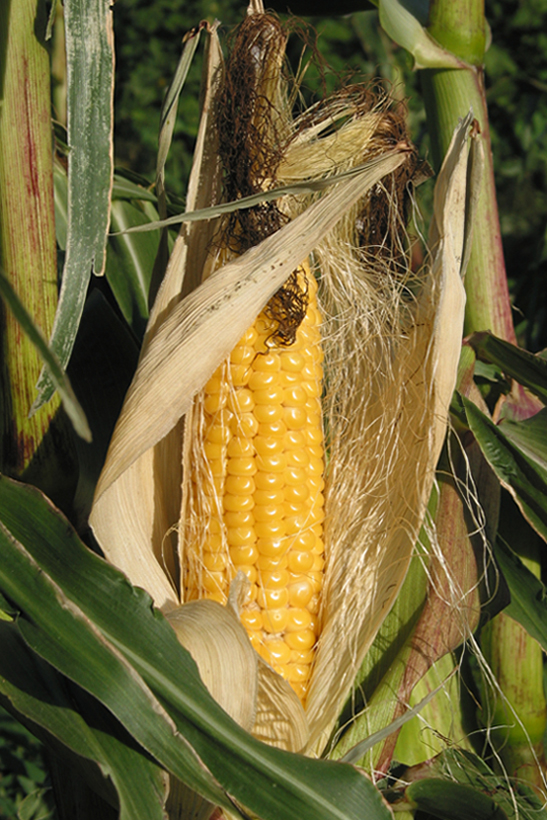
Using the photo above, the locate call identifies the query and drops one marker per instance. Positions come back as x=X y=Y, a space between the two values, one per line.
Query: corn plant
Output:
x=263 y=536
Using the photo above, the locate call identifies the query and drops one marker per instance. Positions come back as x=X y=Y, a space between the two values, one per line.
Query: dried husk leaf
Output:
x=193 y=338
x=226 y=661
x=280 y=719
x=400 y=355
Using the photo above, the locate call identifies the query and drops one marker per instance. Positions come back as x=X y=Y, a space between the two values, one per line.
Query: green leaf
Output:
x=57 y=376
x=524 y=367
x=530 y=436
x=90 y=82
x=84 y=617
x=528 y=595
x=405 y=29
x=62 y=712
x=452 y=801
x=525 y=479
x=129 y=262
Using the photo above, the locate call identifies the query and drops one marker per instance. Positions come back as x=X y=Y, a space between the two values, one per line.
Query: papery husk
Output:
x=390 y=372
x=399 y=353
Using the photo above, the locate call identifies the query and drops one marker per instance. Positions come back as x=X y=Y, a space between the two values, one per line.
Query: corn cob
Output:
x=255 y=499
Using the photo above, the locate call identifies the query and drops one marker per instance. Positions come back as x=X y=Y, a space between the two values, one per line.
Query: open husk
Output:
x=392 y=341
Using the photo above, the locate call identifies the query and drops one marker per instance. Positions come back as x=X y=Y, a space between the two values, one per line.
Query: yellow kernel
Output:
x=314 y=605
x=291 y=360
x=267 y=362
x=242 y=354
x=249 y=336
x=269 y=497
x=301 y=640
x=268 y=413
x=294 y=440
x=296 y=493
x=239 y=518
x=256 y=641
x=294 y=396
x=275 y=620
x=316 y=580
x=251 y=619
x=269 y=481
x=272 y=598
x=219 y=432
x=266 y=446
x=312 y=390
x=214 y=561
x=303 y=656
x=240 y=536
x=272 y=547
x=215 y=582
x=238 y=503
x=314 y=436
x=240 y=485
x=295 y=475
x=295 y=417
x=297 y=672
x=272 y=463
x=241 y=466
x=212 y=450
x=273 y=394
x=214 y=402
x=316 y=483
x=244 y=425
x=211 y=486
x=249 y=571
x=267 y=512
x=243 y=555
x=295 y=458
x=214 y=385
x=275 y=528
x=300 y=593
x=241 y=401
x=316 y=450
x=213 y=542
x=270 y=563
x=262 y=379
x=217 y=467
x=317 y=515
x=276 y=579
x=218 y=596
x=240 y=374
x=299 y=619
x=296 y=523
x=300 y=690
x=316 y=466
x=276 y=428
x=276 y=651
x=318 y=563
x=301 y=561
x=287 y=379
x=240 y=446
x=304 y=541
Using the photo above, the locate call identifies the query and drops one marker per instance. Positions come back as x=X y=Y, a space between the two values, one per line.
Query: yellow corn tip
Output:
x=255 y=498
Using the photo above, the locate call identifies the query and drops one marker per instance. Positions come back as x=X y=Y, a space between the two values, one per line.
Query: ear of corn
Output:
x=255 y=499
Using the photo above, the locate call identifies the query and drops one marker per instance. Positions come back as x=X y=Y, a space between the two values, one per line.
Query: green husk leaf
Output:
x=452 y=801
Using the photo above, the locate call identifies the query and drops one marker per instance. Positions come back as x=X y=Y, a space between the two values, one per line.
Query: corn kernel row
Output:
x=256 y=501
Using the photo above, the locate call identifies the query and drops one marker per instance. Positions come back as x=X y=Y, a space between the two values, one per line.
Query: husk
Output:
x=400 y=354
x=391 y=350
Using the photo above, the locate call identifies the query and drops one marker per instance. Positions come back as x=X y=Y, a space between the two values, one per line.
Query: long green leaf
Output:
x=63 y=712
x=453 y=801
x=524 y=367
x=57 y=375
x=85 y=618
x=90 y=82
x=520 y=474
x=528 y=595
